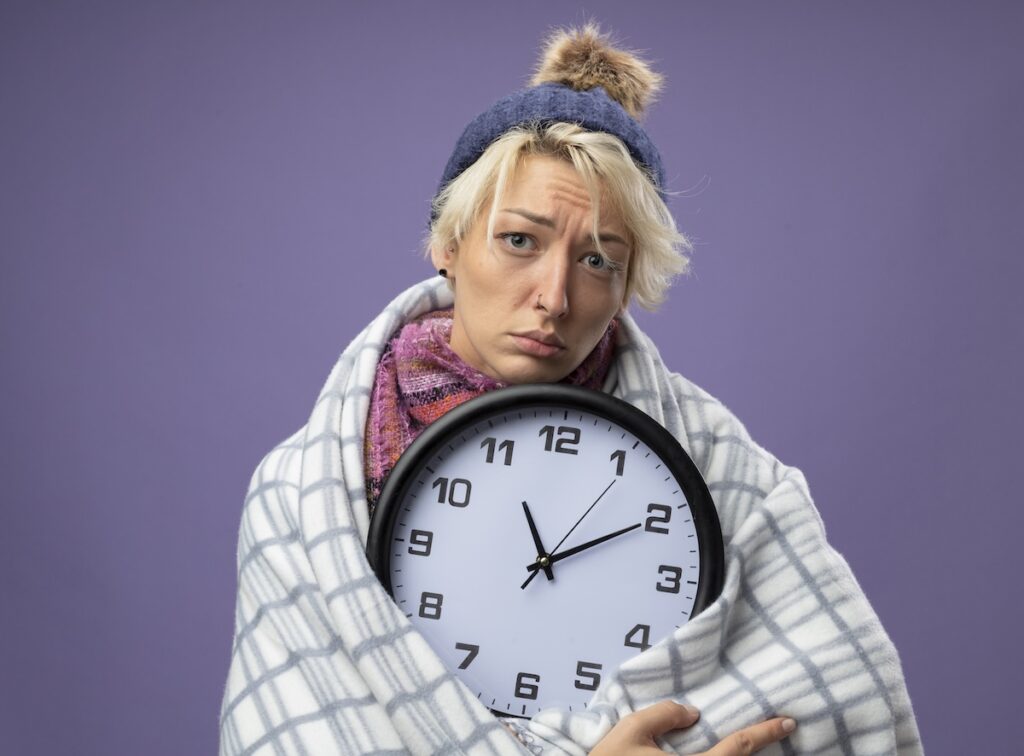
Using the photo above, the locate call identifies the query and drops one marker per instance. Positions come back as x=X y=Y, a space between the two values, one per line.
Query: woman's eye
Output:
x=596 y=261
x=517 y=241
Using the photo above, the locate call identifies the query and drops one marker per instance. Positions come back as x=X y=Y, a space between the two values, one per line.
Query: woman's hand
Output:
x=634 y=734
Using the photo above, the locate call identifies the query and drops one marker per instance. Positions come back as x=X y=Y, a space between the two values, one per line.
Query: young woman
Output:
x=550 y=223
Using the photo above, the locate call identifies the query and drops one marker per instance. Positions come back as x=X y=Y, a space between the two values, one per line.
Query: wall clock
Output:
x=540 y=535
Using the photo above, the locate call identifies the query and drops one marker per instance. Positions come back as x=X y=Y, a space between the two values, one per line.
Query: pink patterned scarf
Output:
x=419 y=378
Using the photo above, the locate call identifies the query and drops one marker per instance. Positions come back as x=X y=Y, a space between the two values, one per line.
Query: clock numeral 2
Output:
x=526 y=686
x=505 y=446
x=473 y=651
x=664 y=514
x=644 y=643
x=568 y=437
x=456 y=494
x=430 y=605
x=593 y=675
x=422 y=542
x=673 y=577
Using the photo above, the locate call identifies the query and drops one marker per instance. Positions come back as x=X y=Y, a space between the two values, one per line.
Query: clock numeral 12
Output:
x=456 y=494
x=526 y=686
x=568 y=437
x=430 y=605
x=505 y=446
x=592 y=674
x=644 y=642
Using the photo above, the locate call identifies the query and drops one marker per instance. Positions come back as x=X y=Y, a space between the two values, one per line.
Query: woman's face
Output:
x=532 y=304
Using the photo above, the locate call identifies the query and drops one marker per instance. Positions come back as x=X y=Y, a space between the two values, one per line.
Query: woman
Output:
x=550 y=222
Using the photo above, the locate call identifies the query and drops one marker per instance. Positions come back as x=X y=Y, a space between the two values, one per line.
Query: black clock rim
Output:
x=711 y=549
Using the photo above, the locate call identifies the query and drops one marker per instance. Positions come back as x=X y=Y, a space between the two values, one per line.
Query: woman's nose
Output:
x=553 y=288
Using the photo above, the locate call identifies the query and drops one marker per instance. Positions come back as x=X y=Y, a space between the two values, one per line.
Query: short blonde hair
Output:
x=659 y=251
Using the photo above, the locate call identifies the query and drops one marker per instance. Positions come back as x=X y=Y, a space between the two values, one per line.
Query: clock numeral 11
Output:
x=456 y=494
x=505 y=446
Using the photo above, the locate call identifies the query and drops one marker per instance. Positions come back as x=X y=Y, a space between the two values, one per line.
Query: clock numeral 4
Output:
x=473 y=651
x=589 y=670
x=644 y=641
x=456 y=494
x=673 y=577
x=505 y=446
x=660 y=513
x=421 y=542
x=568 y=438
x=430 y=605
x=527 y=686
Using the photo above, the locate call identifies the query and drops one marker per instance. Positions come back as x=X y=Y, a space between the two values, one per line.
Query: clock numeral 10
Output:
x=592 y=674
x=644 y=642
x=673 y=577
x=660 y=513
x=527 y=686
x=505 y=446
x=430 y=605
x=421 y=542
x=456 y=494
x=568 y=437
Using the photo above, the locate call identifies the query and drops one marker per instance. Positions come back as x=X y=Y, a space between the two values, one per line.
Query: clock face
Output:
x=539 y=536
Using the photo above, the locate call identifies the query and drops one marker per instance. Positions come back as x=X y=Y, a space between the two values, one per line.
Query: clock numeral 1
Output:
x=592 y=674
x=473 y=651
x=422 y=541
x=663 y=513
x=568 y=437
x=644 y=643
x=526 y=686
x=620 y=460
x=505 y=446
x=430 y=605
x=456 y=494
x=673 y=577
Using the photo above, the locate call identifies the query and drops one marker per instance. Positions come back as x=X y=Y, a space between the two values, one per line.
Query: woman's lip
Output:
x=535 y=346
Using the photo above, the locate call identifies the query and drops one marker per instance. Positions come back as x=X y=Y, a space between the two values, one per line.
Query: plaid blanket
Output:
x=323 y=662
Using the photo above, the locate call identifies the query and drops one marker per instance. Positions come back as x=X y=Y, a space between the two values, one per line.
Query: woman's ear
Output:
x=443 y=256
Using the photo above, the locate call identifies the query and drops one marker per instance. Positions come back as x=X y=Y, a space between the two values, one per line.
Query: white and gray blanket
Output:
x=323 y=662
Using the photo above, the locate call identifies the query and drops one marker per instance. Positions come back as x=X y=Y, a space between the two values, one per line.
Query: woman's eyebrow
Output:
x=543 y=220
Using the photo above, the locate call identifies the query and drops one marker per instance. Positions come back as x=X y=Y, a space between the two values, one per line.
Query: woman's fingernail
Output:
x=788 y=725
x=691 y=710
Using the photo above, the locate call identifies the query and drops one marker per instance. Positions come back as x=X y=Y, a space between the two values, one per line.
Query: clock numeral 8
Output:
x=593 y=675
x=430 y=605
x=526 y=686
x=456 y=494
x=663 y=513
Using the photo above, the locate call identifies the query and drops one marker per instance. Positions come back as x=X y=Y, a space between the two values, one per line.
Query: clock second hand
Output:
x=537 y=568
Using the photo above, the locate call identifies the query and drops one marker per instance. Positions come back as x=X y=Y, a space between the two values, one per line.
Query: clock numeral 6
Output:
x=473 y=651
x=644 y=642
x=673 y=577
x=430 y=605
x=568 y=437
x=456 y=494
x=422 y=541
x=662 y=513
x=592 y=674
x=505 y=446
x=527 y=686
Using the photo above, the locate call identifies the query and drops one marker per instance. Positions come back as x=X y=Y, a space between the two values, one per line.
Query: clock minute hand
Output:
x=542 y=554
x=559 y=556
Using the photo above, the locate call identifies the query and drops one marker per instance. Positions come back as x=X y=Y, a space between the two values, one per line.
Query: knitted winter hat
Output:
x=581 y=78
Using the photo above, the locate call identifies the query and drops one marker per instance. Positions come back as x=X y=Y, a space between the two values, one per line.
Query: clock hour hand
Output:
x=559 y=556
x=542 y=554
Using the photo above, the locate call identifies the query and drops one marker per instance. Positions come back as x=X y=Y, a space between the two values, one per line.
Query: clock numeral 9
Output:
x=673 y=577
x=505 y=446
x=620 y=460
x=430 y=605
x=456 y=494
x=422 y=541
x=644 y=642
x=526 y=686
x=568 y=437
x=592 y=674
x=662 y=514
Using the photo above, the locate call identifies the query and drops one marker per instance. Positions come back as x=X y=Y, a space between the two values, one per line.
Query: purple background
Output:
x=200 y=206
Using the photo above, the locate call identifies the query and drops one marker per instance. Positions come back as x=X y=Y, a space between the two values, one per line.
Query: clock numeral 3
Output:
x=430 y=605
x=527 y=686
x=662 y=514
x=505 y=446
x=422 y=541
x=473 y=651
x=456 y=494
x=644 y=642
x=673 y=577
x=568 y=437
x=592 y=674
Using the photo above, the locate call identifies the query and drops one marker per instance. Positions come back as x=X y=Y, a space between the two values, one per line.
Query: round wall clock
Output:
x=540 y=535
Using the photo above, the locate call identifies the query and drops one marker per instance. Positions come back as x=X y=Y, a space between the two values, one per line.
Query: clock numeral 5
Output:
x=662 y=514
x=422 y=541
x=673 y=577
x=505 y=446
x=568 y=437
x=456 y=494
x=430 y=605
x=644 y=642
x=473 y=651
x=526 y=686
x=592 y=674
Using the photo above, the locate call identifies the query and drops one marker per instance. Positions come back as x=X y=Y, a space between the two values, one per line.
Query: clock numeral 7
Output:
x=456 y=494
x=473 y=651
x=662 y=513
x=592 y=674
x=527 y=686
x=568 y=437
x=505 y=446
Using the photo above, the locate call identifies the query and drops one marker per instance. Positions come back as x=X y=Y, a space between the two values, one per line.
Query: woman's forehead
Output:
x=543 y=185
